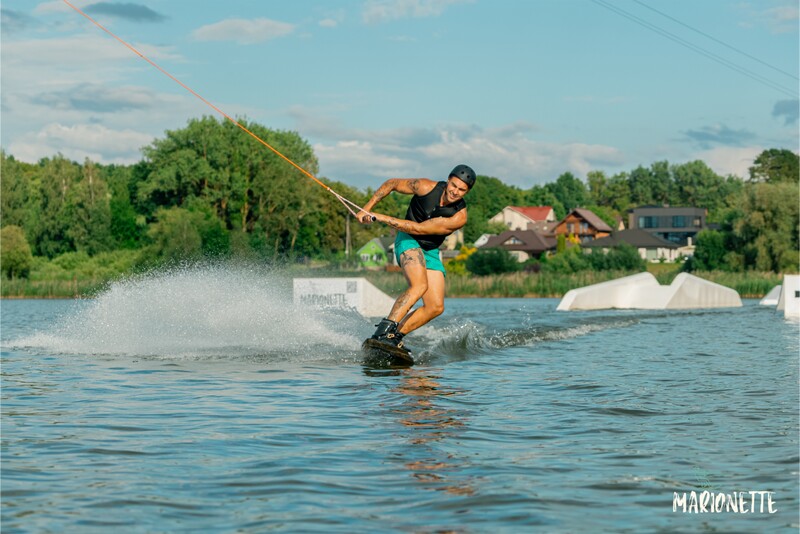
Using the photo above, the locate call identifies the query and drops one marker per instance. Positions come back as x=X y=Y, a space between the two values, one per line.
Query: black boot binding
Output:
x=387 y=333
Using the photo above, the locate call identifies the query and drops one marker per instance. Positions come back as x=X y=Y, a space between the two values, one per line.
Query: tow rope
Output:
x=347 y=203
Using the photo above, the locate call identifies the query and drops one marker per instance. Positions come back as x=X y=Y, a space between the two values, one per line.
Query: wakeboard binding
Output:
x=386 y=346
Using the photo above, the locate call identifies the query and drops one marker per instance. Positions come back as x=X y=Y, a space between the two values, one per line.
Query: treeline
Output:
x=209 y=190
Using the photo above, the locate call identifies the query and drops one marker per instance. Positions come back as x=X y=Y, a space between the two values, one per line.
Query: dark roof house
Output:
x=523 y=244
x=650 y=247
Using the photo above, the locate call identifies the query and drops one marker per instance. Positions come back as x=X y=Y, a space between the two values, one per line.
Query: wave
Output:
x=200 y=312
x=475 y=339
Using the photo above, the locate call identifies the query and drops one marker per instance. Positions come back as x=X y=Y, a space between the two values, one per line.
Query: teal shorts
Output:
x=403 y=242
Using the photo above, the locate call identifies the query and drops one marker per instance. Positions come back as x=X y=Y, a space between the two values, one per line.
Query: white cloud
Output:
x=80 y=141
x=328 y=23
x=362 y=157
x=377 y=11
x=727 y=160
x=243 y=31
x=782 y=19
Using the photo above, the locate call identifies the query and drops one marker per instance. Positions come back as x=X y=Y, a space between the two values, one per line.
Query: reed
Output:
x=51 y=283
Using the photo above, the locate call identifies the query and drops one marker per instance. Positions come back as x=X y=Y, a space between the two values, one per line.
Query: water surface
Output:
x=213 y=405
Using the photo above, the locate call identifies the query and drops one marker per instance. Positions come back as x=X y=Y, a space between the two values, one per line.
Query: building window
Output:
x=678 y=221
x=698 y=222
x=648 y=222
x=570 y=228
x=513 y=241
x=584 y=227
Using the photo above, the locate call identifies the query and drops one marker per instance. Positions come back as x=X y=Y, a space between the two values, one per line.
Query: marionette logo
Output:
x=737 y=502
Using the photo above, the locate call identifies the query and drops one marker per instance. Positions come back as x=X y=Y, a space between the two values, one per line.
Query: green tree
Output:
x=540 y=195
x=768 y=227
x=16 y=258
x=175 y=236
x=710 y=251
x=569 y=190
x=127 y=226
x=776 y=165
x=52 y=227
x=492 y=261
x=87 y=208
x=15 y=192
x=698 y=186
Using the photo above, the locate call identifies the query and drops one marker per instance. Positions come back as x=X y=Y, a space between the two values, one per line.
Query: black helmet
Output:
x=465 y=174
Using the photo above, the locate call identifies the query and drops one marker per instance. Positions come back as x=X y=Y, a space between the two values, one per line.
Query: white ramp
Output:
x=789 y=301
x=343 y=293
x=612 y=294
x=643 y=292
x=771 y=298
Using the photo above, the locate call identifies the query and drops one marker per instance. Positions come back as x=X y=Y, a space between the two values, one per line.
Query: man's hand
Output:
x=364 y=217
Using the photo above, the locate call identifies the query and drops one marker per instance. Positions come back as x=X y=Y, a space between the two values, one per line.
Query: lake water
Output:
x=204 y=401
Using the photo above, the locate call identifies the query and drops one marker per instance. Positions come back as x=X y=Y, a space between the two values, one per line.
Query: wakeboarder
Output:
x=436 y=210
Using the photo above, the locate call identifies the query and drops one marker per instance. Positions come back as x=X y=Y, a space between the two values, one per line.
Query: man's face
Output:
x=455 y=191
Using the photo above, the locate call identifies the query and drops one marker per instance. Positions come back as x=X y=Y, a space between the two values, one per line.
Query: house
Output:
x=649 y=246
x=377 y=252
x=522 y=244
x=583 y=224
x=524 y=217
x=678 y=225
x=453 y=241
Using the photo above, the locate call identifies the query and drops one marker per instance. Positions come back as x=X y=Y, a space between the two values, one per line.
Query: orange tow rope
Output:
x=215 y=108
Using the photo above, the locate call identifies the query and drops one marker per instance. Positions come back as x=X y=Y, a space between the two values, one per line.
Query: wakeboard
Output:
x=385 y=355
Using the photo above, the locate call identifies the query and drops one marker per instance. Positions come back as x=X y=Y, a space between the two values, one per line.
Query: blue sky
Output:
x=522 y=90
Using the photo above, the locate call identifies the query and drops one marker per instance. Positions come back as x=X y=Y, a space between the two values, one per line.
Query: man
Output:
x=437 y=210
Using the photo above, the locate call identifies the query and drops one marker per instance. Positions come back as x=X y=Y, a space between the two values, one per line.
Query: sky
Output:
x=522 y=90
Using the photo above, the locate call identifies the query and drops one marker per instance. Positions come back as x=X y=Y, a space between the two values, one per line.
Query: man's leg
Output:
x=432 y=304
x=413 y=263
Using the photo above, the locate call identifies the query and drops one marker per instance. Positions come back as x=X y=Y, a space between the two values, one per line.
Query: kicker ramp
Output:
x=643 y=292
x=343 y=293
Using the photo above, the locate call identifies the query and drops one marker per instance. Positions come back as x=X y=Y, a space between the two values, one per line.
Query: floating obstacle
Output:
x=789 y=302
x=772 y=298
x=356 y=294
x=643 y=292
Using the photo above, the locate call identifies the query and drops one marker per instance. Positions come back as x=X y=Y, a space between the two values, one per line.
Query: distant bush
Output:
x=621 y=258
x=15 y=252
x=492 y=261
x=574 y=260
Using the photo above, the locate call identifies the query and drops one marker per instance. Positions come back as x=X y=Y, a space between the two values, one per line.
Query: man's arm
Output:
x=435 y=226
x=407 y=186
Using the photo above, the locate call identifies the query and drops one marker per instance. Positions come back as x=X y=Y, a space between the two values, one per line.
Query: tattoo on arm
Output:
x=413 y=184
x=382 y=192
x=402 y=225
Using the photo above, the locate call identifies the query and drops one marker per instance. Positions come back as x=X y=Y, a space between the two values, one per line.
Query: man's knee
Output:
x=418 y=288
x=436 y=309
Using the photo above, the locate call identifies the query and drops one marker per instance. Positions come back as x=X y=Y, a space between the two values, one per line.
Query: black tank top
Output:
x=422 y=208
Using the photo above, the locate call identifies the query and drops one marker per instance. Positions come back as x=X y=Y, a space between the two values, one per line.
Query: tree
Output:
x=569 y=190
x=15 y=253
x=492 y=261
x=15 y=193
x=175 y=236
x=57 y=177
x=710 y=251
x=540 y=195
x=695 y=184
x=775 y=166
x=89 y=213
x=768 y=226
